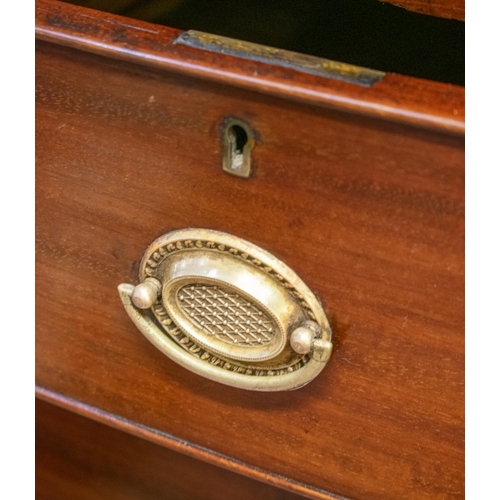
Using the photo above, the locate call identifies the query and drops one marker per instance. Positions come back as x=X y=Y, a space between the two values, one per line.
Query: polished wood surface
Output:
x=400 y=98
x=80 y=459
x=450 y=9
x=179 y=445
x=368 y=212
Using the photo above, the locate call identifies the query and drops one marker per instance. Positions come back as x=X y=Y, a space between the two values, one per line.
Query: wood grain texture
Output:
x=449 y=9
x=81 y=459
x=404 y=99
x=181 y=446
x=368 y=212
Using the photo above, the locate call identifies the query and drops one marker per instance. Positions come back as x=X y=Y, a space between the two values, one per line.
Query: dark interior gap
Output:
x=240 y=138
x=367 y=33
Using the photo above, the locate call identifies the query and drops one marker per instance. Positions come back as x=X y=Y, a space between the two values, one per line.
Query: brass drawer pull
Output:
x=229 y=311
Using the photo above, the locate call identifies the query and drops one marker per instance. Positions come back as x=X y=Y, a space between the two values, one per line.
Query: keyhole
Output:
x=238 y=136
x=237 y=142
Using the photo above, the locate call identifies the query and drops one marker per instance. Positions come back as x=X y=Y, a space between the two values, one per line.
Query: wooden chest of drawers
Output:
x=358 y=189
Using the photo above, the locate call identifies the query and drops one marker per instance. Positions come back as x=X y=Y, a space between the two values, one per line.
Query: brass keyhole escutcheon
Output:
x=229 y=311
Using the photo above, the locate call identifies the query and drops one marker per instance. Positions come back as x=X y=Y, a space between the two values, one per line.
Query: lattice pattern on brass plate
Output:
x=226 y=315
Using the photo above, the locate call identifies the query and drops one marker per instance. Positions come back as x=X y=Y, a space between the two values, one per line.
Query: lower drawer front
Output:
x=368 y=213
x=81 y=459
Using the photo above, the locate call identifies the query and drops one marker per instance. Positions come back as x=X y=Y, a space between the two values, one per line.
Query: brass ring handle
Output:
x=229 y=311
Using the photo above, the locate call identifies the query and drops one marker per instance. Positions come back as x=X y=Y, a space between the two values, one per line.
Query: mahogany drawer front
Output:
x=368 y=212
x=81 y=459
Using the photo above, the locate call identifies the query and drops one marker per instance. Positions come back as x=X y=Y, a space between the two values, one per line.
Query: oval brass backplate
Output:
x=229 y=311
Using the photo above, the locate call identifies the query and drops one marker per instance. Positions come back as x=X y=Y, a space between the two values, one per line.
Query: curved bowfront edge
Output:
x=162 y=342
x=398 y=98
x=174 y=443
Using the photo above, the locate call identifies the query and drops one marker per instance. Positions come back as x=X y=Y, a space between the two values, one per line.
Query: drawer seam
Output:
x=182 y=446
